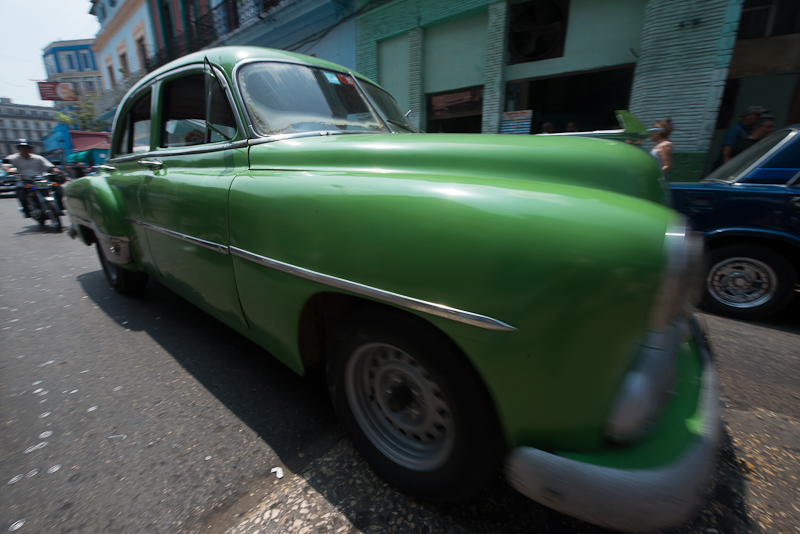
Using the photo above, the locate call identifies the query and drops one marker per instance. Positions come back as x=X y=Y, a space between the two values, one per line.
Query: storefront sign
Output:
x=57 y=91
x=516 y=122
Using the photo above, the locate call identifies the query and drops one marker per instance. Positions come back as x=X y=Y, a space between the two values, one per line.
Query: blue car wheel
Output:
x=748 y=282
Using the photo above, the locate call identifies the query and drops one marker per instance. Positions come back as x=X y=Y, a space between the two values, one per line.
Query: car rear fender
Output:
x=97 y=213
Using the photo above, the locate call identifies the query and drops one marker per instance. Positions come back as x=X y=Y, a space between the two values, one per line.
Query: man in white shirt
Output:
x=29 y=165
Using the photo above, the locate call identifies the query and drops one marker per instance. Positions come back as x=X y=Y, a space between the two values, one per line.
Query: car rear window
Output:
x=733 y=169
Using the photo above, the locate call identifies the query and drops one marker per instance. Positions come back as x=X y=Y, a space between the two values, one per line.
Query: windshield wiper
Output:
x=402 y=125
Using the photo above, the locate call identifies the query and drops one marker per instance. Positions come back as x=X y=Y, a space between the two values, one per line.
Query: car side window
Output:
x=135 y=136
x=221 y=122
x=184 y=112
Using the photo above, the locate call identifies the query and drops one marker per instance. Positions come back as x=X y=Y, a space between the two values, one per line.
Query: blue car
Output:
x=749 y=212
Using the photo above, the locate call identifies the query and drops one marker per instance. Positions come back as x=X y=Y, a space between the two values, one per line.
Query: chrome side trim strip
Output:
x=216 y=247
x=439 y=310
x=474 y=319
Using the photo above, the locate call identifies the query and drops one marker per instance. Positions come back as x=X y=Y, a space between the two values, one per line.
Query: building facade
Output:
x=458 y=66
x=137 y=36
x=21 y=121
x=73 y=62
x=321 y=28
x=125 y=40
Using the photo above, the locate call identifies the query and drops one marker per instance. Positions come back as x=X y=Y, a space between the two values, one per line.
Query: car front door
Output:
x=198 y=150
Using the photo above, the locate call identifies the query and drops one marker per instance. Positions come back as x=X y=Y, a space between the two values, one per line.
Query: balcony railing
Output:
x=223 y=19
x=218 y=22
x=229 y=16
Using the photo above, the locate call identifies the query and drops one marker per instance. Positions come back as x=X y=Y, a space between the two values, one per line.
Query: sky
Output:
x=28 y=27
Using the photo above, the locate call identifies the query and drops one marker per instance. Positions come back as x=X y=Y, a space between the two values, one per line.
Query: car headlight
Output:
x=648 y=384
x=682 y=277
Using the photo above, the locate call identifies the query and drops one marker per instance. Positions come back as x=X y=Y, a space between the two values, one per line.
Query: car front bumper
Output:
x=629 y=499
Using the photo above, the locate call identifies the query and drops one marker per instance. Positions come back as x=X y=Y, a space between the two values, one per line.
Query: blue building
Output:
x=73 y=62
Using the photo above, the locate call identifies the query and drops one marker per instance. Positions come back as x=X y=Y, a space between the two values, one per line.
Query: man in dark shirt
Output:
x=741 y=130
x=761 y=128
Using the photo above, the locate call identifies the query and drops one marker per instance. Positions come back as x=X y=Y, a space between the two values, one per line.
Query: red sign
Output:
x=57 y=91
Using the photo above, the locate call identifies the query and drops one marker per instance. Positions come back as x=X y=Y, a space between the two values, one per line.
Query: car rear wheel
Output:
x=748 y=282
x=123 y=281
x=414 y=407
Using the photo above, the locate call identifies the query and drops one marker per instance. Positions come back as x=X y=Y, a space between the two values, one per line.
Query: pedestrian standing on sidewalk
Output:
x=662 y=149
x=764 y=126
x=741 y=130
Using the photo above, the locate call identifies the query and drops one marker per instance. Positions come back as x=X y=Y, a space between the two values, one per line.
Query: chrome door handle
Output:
x=151 y=164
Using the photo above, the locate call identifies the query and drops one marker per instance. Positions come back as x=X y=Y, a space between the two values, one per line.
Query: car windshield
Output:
x=388 y=107
x=284 y=98
x=732 y=170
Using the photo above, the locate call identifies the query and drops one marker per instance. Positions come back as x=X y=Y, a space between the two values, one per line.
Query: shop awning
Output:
x=80 y=156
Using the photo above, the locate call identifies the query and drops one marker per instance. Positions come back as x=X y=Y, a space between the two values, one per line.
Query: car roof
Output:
x=227 y=57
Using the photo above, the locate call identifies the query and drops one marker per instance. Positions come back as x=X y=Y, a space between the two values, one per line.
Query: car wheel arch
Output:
x=787 y=249
x=86 y=234
x=325 y=312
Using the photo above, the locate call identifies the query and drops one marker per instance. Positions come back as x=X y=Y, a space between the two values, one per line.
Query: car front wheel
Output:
x=414 y=407
x=748 y=282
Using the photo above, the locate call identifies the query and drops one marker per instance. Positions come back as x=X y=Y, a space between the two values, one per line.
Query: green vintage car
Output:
x=481 y=303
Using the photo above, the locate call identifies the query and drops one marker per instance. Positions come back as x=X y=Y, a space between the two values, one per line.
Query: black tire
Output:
x=122 y=280
x=748 y=282
x=414 y=407
x=52 y=214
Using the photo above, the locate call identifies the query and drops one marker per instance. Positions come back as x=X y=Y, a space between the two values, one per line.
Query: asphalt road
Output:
x=147 y=416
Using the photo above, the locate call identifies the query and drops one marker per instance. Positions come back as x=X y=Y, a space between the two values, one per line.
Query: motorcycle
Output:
x=40 y=198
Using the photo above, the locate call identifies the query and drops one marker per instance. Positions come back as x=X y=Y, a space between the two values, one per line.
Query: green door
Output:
x=184 y=191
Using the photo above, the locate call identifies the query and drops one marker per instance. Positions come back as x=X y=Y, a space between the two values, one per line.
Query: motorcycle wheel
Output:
x=34 y=211
x=52 y=213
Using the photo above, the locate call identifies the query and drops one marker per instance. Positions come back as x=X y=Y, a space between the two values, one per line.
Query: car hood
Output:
x=594 y=163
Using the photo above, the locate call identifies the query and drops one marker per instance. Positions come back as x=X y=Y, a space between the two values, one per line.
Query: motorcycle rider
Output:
x=29 y=165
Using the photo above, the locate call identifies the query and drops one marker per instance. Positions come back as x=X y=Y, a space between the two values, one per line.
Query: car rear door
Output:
x=199 y=149
x=125 y=175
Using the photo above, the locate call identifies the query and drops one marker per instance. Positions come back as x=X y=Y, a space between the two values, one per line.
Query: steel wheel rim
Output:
x=742 y=282
x=399 y=406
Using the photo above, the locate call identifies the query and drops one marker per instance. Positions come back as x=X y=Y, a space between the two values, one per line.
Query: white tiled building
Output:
x=23 y=121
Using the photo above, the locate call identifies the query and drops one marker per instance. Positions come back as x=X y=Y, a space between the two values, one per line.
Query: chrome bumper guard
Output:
x=629 y=500
x=117 y=249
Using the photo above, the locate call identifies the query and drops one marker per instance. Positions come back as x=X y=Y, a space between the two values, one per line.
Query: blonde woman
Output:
x=662 y=149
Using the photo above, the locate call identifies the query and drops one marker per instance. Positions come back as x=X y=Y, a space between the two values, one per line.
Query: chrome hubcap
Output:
x=399 y=406
x=742 y=282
